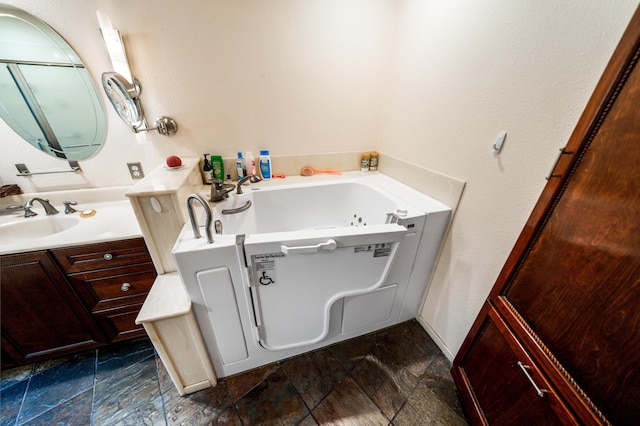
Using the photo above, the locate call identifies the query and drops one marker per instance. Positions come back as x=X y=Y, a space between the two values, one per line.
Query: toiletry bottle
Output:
x=206 y=171
x=240 y=166
x=265 y=164
x=250 y=162
x=217 y=167
x=364 y=163
x=373 y=162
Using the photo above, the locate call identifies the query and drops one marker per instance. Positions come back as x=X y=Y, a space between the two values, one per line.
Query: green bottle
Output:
x=217 y=166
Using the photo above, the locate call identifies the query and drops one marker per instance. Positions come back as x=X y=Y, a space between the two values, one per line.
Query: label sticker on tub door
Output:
x=266 y=267
x=382 y=250
x=379 y=250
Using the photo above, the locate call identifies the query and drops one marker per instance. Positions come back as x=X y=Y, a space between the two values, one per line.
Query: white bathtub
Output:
x=312 y=262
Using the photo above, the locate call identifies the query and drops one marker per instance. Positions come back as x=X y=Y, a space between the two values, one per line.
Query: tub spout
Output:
x=250 y=178
x=194 y=221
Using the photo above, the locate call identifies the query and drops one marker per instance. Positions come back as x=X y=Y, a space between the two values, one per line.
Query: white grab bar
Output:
x=330 y=245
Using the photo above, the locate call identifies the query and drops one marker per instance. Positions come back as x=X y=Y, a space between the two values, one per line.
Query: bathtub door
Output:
x=295 y=280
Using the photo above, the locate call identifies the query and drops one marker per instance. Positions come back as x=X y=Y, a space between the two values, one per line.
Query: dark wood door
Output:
x=578 y=287
x=570 y=289
x=41 y=316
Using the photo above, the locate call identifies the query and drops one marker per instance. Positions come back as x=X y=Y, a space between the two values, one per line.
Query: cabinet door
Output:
x=41 y=316
x=578 y=285
x=501 y=384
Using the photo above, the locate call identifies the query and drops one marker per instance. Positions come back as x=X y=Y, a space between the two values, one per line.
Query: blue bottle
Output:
x=240 y=166
x=265 y=164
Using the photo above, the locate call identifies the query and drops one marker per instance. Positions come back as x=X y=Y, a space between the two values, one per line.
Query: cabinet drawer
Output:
x=102 y=255
x=501 y=384
x=108 y=288
x=120 y=323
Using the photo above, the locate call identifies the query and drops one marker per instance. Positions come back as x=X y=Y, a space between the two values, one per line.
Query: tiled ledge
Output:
x=444 y=188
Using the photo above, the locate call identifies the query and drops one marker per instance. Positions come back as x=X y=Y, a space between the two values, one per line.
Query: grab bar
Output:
x=192 y=218
x=330 y=245
x=238 y=209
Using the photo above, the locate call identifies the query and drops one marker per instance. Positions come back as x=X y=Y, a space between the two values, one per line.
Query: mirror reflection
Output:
x=46 y=94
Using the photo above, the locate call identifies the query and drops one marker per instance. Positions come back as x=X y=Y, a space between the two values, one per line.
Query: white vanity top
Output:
x=113 y=220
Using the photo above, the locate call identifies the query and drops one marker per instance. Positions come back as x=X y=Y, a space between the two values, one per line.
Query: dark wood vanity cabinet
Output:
x=112 y=280
x=41 y=316
x=567 y=302
x=70 y=299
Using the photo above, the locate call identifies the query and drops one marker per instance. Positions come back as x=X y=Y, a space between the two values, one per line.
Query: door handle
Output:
x=525 y=369
x=330 y=245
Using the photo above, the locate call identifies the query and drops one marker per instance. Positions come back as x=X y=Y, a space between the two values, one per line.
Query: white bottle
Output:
x=240 y=166
x=265 y=164
x=250 y=163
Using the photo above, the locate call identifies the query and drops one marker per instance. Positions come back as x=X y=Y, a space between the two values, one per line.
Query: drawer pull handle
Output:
x=108 y=256
x=525 y=369
x=125 y=286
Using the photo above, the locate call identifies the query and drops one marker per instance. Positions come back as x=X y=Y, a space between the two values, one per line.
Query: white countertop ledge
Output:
x=114 y=219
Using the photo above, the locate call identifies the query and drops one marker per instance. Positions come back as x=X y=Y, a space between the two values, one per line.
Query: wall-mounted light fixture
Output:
x=123 y=89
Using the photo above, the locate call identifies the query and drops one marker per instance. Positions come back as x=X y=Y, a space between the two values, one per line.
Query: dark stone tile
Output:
x=75 y=412
x=122 y=355
x=348 y=405
x=14 y=375
x=308 y=421
x=410 y=346
x=199 y=408
x=242 y=383
x=424 y=408
x=58 y=384
x=10 y=401
x=272 y=402
x=369 y=373
x=227 y=417
x=41 y=366
x=129 y=395
x=394 y=391
x=314 y=375
x=438 y=379
x=352 y=351
x=164 y=379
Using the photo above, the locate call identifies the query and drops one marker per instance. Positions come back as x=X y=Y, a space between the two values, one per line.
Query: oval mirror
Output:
x=46 y=94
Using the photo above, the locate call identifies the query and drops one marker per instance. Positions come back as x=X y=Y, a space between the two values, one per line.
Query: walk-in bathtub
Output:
x=311 y=262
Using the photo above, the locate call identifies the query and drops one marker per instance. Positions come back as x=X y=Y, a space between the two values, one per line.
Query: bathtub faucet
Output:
x=220 y=191
x=194 y=221
x=250 y=178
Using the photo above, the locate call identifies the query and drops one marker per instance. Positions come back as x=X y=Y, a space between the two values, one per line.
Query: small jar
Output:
x=373 y=162
x=364 y=162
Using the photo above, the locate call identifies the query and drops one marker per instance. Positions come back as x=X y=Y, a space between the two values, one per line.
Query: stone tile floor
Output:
x=396 y=376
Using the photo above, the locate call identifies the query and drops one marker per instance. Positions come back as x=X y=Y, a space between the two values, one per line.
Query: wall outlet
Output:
x=135 y=169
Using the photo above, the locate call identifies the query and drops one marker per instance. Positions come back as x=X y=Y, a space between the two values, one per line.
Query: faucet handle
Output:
x=67 y=206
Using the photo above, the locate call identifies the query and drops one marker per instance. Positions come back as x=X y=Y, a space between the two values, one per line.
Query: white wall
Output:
x=463 y=71
x=295 y=77
x=430 y=82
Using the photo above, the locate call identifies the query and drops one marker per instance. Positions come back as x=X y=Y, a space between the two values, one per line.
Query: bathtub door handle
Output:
x=330 y=245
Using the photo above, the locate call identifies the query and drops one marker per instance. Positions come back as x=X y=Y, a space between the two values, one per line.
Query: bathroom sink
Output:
x=35 y=227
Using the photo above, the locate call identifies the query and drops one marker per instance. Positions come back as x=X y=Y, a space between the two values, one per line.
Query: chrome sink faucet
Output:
x=194 y=221
x=250 y=178
x=48 y=208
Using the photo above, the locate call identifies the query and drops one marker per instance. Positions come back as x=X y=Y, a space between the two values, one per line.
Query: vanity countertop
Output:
x=113 y=220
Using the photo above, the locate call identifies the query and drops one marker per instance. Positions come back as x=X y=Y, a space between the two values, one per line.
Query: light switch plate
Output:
x=135 y=169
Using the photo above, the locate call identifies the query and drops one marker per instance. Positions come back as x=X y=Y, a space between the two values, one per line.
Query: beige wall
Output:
x=430 y=82
x=295 y=77
x=464 y=71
